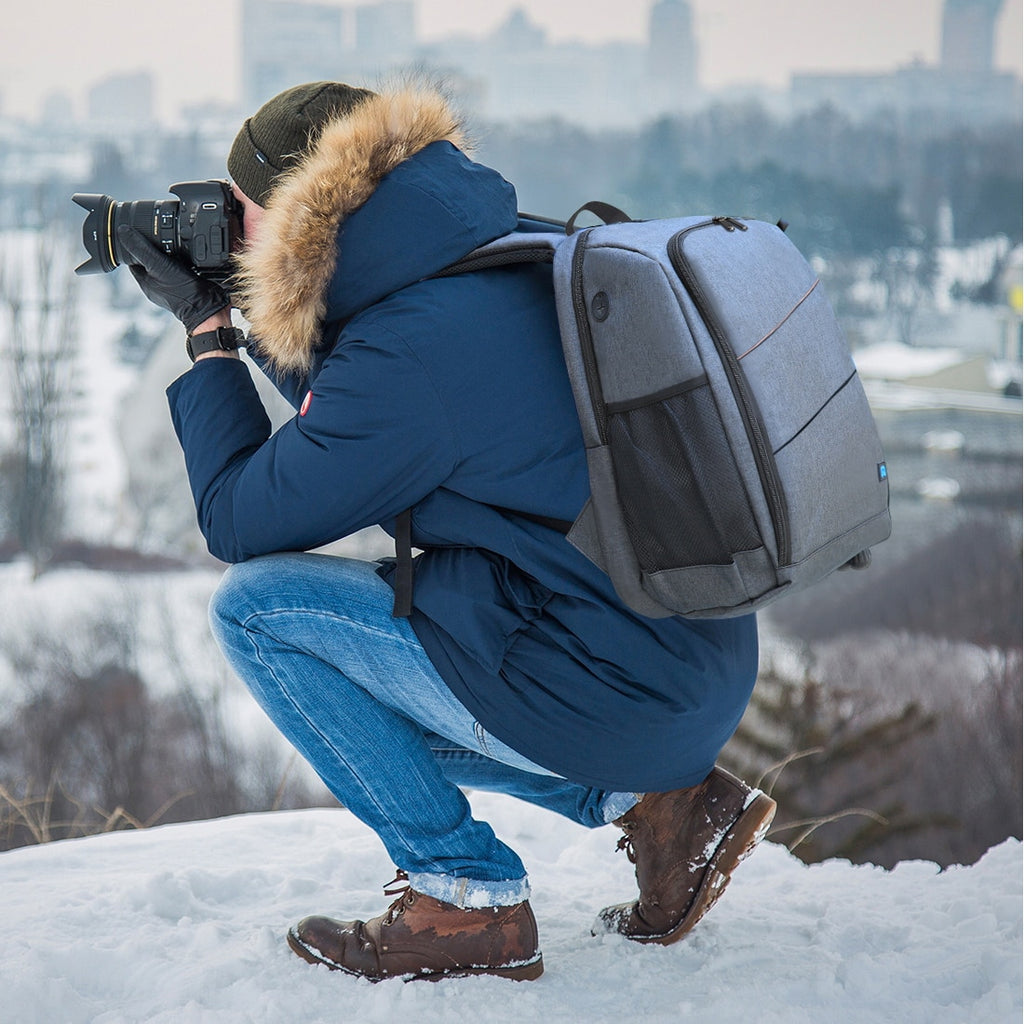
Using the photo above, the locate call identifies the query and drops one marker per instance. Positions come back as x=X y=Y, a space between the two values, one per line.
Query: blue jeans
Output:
x=313 y=638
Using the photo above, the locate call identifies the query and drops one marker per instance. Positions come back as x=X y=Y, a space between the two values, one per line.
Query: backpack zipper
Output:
x=767 y=469
x=729 y=223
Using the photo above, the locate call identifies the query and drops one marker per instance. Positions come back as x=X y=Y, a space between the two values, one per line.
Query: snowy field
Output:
x=185 y=923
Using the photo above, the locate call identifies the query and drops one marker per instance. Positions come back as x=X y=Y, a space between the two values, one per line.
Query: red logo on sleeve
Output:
x=305 y=403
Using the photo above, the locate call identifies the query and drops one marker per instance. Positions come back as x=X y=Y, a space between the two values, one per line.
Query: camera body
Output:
x=201 y=228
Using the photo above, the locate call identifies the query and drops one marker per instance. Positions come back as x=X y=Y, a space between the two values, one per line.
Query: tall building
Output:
x=518 y=34
x=968 y=35
x=672 y=55
x=284 y=44
x=516 y=73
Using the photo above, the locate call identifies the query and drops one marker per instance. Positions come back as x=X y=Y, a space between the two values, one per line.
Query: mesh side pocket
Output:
x=681 y=493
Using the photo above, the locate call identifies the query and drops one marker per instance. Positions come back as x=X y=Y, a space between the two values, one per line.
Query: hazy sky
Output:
x=192 y=45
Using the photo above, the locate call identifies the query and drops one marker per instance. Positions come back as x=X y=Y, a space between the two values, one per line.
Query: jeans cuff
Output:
x=471 y=893
x=615 y=805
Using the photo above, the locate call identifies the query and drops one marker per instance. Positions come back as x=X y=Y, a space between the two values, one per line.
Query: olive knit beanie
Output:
x=278 y=134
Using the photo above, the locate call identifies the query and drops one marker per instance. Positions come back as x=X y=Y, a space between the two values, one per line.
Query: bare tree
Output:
x=40 y=310
x=817 y=749
x=907 y=275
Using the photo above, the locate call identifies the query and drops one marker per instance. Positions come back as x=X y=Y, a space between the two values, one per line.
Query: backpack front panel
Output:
x=678 y=488
x=772 y=309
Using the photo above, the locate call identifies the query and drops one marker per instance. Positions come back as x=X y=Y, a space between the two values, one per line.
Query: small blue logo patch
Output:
x=883 y=473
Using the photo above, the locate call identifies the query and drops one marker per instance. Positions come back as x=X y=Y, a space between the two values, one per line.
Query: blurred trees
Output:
x=89 y=744
x=963 y=585
x=843 y=185
x=890 y=720
x=881 y=747
x=39 y=304
x=816 y=748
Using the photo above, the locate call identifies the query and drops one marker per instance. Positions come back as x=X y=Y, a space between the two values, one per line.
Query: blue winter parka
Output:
x=450 y=397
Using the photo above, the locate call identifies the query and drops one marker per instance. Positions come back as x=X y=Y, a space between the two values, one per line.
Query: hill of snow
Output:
x=186 y=923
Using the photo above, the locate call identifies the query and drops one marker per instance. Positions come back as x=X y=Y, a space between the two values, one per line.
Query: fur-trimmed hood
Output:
x=312 y=262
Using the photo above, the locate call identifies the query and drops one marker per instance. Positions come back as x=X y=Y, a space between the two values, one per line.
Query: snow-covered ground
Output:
x=185 y=923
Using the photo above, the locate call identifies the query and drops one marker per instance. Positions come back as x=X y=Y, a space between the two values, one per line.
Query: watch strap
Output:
x=224 y=339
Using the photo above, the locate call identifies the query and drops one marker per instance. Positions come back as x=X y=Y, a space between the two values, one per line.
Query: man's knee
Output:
x=233 y=600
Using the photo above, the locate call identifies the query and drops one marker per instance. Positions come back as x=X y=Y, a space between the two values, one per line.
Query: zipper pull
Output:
x=729 y=223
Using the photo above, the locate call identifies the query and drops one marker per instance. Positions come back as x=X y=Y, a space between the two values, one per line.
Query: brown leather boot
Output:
x=685 y=845
x=421 y=937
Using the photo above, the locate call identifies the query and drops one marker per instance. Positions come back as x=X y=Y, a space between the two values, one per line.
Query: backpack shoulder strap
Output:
x=534 y=241
x=517 y=247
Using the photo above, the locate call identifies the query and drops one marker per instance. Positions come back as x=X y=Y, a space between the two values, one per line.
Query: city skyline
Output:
x=58 y=46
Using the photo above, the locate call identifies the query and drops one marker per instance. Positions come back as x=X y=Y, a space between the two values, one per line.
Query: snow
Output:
x=186 y=923
x=938 y=488
x=951 y=441
x=969 y=266
x=893 y=361
x=161 y=616
x=907 y=397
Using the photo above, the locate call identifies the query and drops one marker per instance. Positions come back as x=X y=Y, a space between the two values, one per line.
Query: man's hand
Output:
x=169 y=283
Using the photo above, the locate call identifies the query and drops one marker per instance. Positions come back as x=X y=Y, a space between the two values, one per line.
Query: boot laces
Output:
x=398 y=886
x=626 y=843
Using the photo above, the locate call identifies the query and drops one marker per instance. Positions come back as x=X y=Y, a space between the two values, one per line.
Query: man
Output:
x=518 y=669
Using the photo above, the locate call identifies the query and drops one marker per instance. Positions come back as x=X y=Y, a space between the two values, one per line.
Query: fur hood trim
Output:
x=281 y=279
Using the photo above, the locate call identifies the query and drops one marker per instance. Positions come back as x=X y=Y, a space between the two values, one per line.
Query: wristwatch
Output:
x=224 y=339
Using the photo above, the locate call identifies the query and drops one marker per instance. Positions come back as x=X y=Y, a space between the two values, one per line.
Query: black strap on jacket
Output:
x=403 y=565
x=403 y=553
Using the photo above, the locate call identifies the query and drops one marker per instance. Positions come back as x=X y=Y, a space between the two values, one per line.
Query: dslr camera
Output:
x=201 y=228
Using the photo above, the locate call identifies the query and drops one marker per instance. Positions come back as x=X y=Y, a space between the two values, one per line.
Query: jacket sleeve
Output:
x=373 y=440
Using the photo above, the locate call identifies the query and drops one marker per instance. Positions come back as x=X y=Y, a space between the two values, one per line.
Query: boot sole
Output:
x=520 y=972
x=737 y=844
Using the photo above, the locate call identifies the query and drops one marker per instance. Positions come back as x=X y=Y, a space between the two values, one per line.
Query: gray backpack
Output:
x=731 y=451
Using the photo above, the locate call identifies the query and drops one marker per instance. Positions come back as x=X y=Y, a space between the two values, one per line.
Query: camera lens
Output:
x=157 y=219
x=202 y=227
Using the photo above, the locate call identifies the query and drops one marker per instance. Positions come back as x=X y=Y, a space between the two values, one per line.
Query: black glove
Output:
x=168 y=282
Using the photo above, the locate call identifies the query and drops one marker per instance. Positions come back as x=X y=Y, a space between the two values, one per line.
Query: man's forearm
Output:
x=220 y=422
